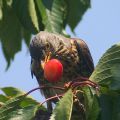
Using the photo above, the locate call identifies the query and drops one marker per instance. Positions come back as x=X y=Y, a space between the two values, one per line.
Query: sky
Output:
x=100 y=28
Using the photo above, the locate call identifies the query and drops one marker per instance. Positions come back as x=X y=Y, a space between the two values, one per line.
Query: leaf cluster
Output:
x=19 y=19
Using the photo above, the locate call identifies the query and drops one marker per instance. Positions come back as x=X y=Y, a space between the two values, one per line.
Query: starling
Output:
x=73 y=54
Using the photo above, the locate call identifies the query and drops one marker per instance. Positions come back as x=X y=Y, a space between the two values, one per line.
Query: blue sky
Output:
x=100 y=28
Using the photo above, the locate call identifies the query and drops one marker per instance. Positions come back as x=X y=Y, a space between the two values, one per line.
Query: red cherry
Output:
x=53 y=70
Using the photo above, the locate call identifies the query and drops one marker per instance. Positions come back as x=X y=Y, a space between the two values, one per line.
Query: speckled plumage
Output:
x=72 y=52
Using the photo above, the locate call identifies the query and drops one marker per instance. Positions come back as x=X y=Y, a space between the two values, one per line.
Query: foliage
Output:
x=63 y=109
x=19 y=19
x=108 y=77
x=107 y=70
x=15 y=105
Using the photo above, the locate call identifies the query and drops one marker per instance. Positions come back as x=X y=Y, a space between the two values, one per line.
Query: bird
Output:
x=73 y=54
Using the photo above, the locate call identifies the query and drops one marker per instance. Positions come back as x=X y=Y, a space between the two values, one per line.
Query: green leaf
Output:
x=3 y=98
x=53 y=13
x=9 y=106
x=76 y=10
x=1 y=13
x=33 y=16
x=91 y=104
x=63 y=109
x=110 y=107
x=26 y=113
x=12 y=92
x=10 y=32
x=22 y=108
x=107 y=72
x=26 y=37
x=26 y=12
x=94 y=109
x=12 y=110
x=28 y=101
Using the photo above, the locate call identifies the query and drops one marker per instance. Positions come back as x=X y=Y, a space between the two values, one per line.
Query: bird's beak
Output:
x=47 y=58
x=42 y=64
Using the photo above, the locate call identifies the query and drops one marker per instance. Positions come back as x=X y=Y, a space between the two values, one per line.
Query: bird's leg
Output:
x=86 y=81
x=49 y=106
x=81 y=82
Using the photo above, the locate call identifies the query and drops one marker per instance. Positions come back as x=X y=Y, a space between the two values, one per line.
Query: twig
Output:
x=42 y=87
x=50 y=98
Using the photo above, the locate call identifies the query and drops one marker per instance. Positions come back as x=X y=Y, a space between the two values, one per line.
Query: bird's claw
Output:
x=81 y=82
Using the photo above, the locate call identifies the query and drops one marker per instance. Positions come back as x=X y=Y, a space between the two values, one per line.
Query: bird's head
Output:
x=42 y=49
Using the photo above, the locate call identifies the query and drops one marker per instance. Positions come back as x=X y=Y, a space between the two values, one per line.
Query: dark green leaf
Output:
x=110 y=107
x=26 y=36
x=33 y=16
x=91 y=104
x=53 y=13
x=94 y=109
x=107 y=72
x=10 y=32
x=26 y=12
x=76 y=10
x=63 y=109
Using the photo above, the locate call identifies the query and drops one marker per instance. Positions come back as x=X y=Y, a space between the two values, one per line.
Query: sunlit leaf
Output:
x=16 y=104
x=107 y=75
x=26 y=113
x=9 y=106
x=1 y=13
x=107 y=72
x=13 y=110
x=11 y=92
x=3 y=98
x=63 y=108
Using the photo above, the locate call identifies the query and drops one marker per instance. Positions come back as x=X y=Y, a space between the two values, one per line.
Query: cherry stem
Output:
x=84 y=83
x=50 y=98
x=42 y=87
x=84 y=79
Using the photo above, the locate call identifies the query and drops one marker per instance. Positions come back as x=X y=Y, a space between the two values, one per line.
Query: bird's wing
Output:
x=86 y=61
